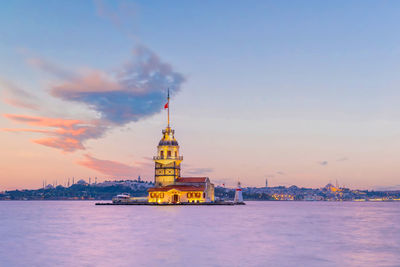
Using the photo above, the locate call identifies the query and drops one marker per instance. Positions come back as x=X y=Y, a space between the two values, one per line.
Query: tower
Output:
x=168 y=161
x=238 y=194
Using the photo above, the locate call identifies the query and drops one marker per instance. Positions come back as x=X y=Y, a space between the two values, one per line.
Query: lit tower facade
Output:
x=168 y=161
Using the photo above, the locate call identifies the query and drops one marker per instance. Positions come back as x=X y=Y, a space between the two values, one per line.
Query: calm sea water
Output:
x=78 y=233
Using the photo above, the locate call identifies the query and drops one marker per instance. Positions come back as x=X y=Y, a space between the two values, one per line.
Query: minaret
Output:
x=167 y=161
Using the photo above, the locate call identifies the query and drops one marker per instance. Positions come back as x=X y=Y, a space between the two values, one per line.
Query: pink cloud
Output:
x=26 y=130
x=94 y=81
x=15 y=96
x=48 y=66
x=19 y=103
x=67 y=136
x=64 y=143
x=135 y=91
x=108 y=167
x=43 y=121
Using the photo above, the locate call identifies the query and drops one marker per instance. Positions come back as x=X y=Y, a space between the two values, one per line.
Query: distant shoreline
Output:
x=105 y=191
x=246 y=200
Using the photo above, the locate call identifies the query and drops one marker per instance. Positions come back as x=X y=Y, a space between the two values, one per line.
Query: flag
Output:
x=166 y=106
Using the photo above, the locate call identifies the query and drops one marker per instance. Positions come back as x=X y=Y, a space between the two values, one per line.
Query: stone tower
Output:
x=168 y=161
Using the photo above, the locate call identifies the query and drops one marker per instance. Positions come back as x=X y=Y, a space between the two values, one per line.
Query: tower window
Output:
x=176 y=154
x=169 y=154
x=162 y=153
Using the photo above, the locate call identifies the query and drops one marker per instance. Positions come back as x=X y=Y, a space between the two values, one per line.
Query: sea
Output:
x=79 y=233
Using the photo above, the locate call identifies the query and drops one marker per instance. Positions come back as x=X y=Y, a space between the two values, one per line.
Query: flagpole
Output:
x=168 y=107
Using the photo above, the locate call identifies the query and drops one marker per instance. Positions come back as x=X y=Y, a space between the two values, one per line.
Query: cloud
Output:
x=135 y=91
x=280 y=172
x=121 y=14
x=342 y=159
x=108 y=167
x=66 y=134
x=323 y=163
x=138 y=90
x=67 y=144
x=15 y=96
x=198 y=171
x=93 y=81
x=50 y=67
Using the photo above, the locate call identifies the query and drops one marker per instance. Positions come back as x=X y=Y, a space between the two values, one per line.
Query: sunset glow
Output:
x=270 y=91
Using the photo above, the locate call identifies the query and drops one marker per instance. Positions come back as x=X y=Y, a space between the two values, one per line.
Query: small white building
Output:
x=238 y=194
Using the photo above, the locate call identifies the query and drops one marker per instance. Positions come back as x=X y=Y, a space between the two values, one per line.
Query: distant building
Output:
x=82 y=182
x=266 y=182
x=49 y=186
x=331 y=188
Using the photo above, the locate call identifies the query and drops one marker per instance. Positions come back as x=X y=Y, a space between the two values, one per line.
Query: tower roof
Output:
x=168 y=138
x=191 y=179
x=168 y=143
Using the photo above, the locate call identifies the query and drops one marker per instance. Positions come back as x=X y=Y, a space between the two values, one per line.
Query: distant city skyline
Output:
x=296 y=93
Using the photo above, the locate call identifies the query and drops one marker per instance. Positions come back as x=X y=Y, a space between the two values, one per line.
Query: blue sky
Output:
x=271 y=86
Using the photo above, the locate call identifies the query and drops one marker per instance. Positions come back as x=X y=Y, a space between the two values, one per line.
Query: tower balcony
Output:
x=171 y=158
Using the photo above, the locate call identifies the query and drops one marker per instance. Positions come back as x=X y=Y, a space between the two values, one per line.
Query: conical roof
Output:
x=168 y=138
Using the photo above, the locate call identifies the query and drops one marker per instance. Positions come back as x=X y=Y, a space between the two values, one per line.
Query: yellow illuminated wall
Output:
x=176 y=196
x=168 y=161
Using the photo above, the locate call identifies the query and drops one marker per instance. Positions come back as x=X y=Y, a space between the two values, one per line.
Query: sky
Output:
x=297 y=92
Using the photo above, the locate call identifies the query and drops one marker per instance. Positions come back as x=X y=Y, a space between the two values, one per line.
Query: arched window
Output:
x=162 y=153
x=169 y=154
x=176 y=154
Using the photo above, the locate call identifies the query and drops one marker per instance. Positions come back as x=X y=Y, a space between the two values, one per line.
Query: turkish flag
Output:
x=166 y=106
